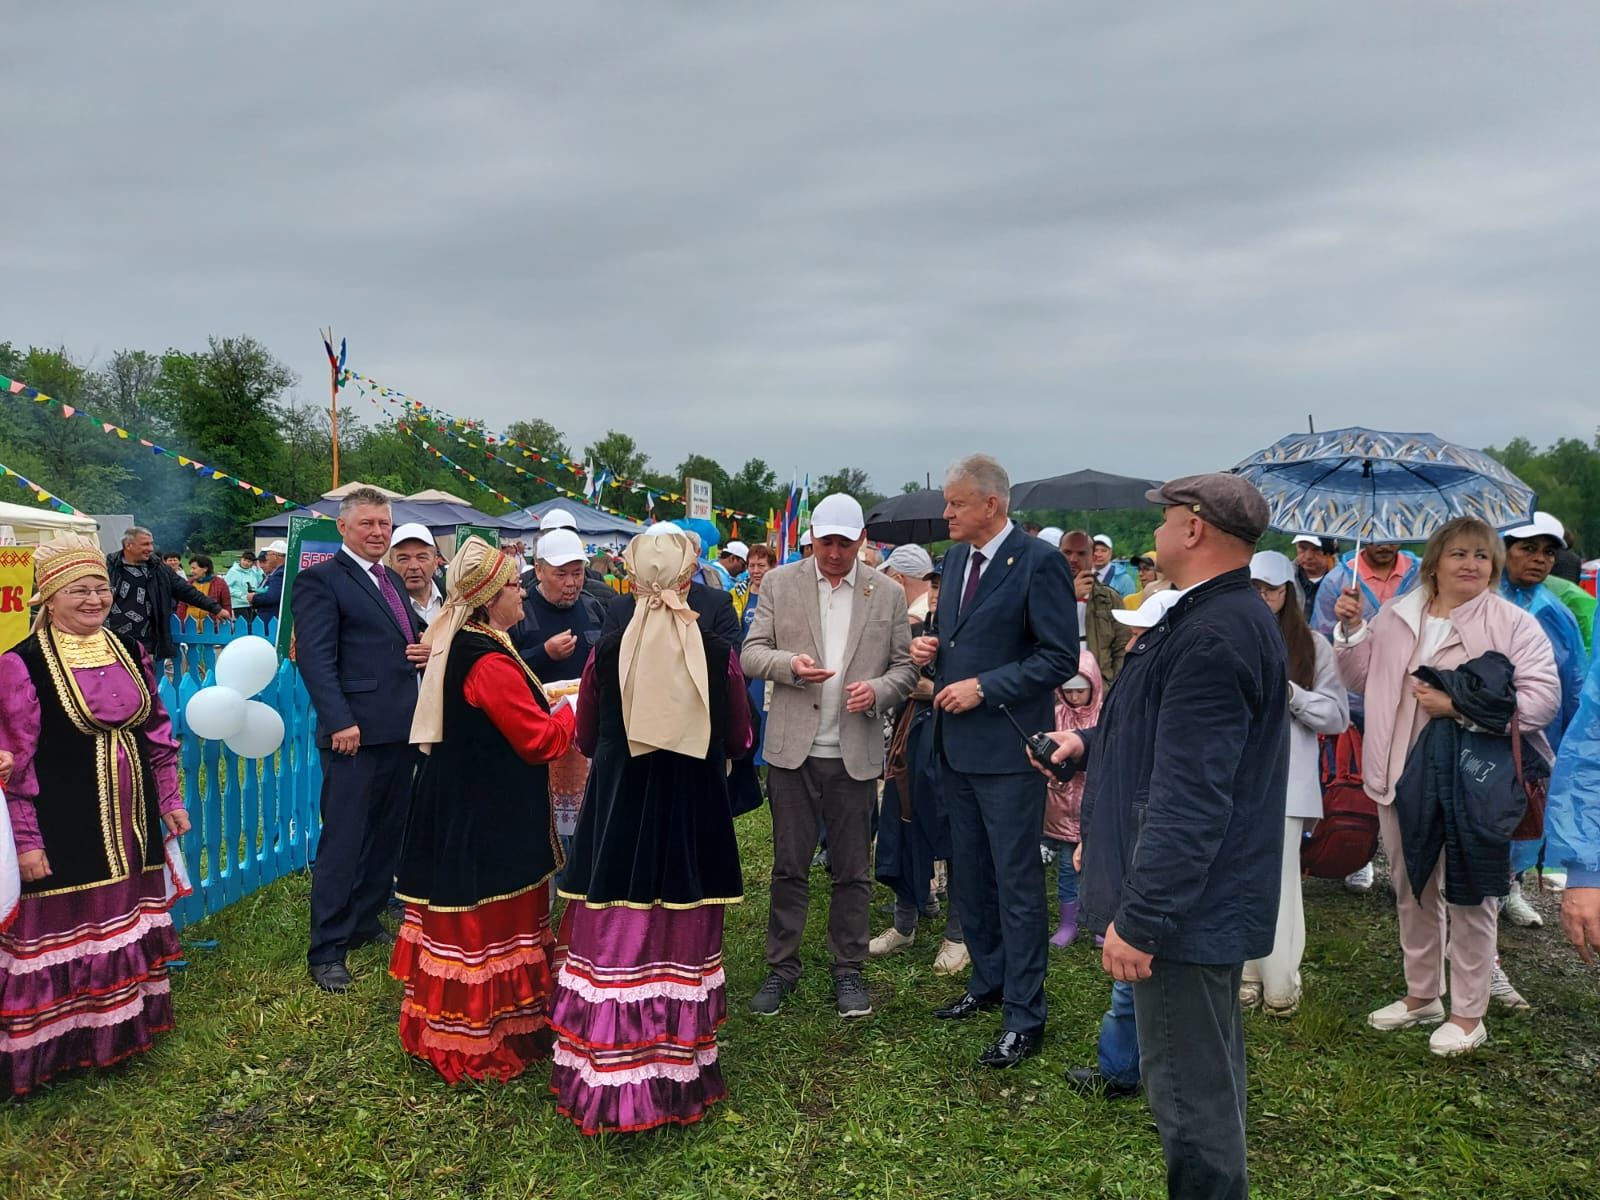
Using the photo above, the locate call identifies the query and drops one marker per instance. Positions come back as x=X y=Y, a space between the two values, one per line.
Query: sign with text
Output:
x=16 y=585
x=311 y=540
x=699 y=493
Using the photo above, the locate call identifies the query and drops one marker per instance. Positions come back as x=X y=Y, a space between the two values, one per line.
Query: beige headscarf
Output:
x=475 y=577
x=666 y=699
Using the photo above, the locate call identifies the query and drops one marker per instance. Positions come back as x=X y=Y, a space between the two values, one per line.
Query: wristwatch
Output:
x=978 y=683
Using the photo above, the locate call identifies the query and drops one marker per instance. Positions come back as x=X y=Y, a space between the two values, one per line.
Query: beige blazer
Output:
x=788 y=622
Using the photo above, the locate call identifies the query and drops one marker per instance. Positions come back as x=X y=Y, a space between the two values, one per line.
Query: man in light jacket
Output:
x=834 y=639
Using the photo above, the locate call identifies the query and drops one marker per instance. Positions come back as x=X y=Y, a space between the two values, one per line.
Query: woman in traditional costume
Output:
x=93 y=786
x=473 y=950
x=641 y=993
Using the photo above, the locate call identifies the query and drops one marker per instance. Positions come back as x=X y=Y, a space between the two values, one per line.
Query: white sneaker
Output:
x=1554 y=882
x=1360 y=881
x=1517 y=910
x=1398 y=1016
x=1449 y=1040
x=1504 y=994
x=890 y=941
x=952 y=958
x=1250 y=993
x=1047 y=853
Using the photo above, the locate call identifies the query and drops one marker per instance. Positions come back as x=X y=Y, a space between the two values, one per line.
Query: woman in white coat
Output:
x=1318 y=704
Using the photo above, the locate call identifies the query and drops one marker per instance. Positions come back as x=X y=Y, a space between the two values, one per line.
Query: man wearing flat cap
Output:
x=1182 y=819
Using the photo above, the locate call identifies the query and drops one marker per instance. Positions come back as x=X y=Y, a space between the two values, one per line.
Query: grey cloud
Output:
x=879 y=234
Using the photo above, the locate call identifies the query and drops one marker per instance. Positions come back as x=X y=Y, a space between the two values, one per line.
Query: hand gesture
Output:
x=959 y=697
x=7 y=761
x=1580 y=918
x=1432 y=701
x=1121 y=961
x=806 y=670
x=176 y=821
x=1348 y=610
x=347 y=741
x=417 y=654
x=859 y=697
x=1069 y=746
x=33 y=866
x=1083 y=584
x=924 y=650
x=561 y=645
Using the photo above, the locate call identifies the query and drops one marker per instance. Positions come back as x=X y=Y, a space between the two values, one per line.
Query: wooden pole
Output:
x=333 y=385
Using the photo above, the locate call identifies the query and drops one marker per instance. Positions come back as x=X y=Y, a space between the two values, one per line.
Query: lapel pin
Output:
x=1009 y=561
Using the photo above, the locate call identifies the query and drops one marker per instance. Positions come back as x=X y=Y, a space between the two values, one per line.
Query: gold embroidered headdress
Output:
x=67 y=559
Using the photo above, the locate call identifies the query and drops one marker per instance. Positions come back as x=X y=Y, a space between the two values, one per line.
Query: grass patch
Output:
x=269 y=1088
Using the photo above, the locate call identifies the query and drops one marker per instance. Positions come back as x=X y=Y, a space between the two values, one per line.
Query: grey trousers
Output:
x=818 y=792
x=1191 y=1055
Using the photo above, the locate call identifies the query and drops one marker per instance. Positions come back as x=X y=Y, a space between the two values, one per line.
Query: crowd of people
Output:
x=492 y=730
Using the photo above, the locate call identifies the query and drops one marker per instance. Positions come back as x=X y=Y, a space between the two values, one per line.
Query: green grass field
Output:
x=269 y=1088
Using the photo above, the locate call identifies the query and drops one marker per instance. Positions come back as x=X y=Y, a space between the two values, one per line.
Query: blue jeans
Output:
x=1119 y=1038
x=1066 y=876
x=1191 y=1036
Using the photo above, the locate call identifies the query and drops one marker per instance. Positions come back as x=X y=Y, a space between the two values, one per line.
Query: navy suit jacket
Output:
x=1018 y=637
x=352 y=654
x=266 y=600
x=715 y=608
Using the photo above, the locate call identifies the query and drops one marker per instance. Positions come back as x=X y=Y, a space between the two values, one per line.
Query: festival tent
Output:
x=440 y=516
x=595 y=527
x=30 y=526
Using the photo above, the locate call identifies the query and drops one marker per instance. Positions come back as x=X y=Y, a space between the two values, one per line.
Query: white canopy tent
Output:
x=28 y=526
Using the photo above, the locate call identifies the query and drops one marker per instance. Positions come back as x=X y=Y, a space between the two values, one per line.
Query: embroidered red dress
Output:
x=474 y=948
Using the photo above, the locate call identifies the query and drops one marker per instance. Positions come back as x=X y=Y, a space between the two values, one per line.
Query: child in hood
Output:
x=1077 y=707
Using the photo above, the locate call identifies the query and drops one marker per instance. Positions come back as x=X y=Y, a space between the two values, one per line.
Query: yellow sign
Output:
x=16 y=585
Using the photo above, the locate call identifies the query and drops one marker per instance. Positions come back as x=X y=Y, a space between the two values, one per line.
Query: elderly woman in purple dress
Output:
x=93 y=790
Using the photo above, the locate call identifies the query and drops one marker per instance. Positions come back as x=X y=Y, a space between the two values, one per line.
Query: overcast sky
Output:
x=1148 y=239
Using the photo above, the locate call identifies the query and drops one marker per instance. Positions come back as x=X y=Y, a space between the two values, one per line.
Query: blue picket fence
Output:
x=252 y=822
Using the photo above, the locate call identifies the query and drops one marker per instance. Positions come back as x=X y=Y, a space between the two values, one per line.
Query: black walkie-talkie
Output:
x=1042 y=748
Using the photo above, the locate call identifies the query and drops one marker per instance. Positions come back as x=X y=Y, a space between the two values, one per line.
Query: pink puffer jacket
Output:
x=1378 y=659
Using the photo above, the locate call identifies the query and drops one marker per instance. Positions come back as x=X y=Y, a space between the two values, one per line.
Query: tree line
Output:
x=233 y=406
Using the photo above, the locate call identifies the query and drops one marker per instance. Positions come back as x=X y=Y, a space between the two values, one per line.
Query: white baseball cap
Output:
x=837 y=515
x=557 y=518
x=1148 y=615
x=413 y=532
x=1544 y=525
x=1271 y=568
x=661 y=529
x=278 y=547
x=805 y=537
x=910 y=560
x=1308 y=539
x=1051 y=534
x=737 y=549
x=1101 y=539
x=559 y=547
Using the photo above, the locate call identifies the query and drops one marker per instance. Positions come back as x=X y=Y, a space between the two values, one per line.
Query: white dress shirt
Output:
x=366 y=567
x=835 y=605
x=430 y=610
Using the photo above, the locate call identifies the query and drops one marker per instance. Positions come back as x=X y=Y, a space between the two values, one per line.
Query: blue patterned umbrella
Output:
x=1382 y=487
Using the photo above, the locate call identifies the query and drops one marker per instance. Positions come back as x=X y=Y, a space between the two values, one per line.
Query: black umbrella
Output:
x=913 y=517
x=1082 y=489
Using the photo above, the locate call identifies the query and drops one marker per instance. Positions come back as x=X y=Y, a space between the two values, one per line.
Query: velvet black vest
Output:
x=82 y=814
x=480 y=826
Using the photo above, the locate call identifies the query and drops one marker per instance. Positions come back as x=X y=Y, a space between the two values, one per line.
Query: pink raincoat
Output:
x=1064 y=801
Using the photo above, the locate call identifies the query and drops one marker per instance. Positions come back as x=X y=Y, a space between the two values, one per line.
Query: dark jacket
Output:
x=1188 y=776
x=352 y=654
x=1459 y=792
x=595 y=585
x=717 y=617
x=166 y=589
x=1018 y=637
x=542 y=620
x=265 y=602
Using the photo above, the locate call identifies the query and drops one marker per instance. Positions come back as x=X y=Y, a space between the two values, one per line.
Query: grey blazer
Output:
x=788 y=622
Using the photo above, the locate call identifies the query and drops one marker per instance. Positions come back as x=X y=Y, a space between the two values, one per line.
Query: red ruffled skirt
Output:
x=476 y=986
x=639 y=998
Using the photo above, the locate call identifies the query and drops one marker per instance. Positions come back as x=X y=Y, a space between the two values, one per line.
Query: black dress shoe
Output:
x=1087 y=1081
x=1009 y=1049
x=331 y=977
x=382 y=938
x=969 y=1006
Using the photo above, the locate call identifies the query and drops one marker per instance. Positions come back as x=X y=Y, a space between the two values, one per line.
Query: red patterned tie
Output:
x=973 y=577
x=392 y=598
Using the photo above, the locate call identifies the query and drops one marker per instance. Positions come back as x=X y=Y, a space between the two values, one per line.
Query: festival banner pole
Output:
x=335 y=366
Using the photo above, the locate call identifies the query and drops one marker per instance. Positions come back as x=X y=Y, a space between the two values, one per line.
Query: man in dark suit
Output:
x=717 y=617
x=357 y=649
x=1005 y=634
x=265 y=601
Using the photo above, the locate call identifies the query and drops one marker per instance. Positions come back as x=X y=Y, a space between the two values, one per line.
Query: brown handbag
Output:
x=1531 y=827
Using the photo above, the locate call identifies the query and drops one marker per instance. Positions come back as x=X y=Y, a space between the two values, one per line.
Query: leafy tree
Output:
x=541 y=435
x=850 y=480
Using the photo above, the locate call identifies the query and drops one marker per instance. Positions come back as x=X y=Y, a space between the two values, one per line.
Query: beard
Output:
x=554 y=602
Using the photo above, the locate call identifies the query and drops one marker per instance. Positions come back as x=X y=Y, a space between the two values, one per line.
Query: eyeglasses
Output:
x=85 y=593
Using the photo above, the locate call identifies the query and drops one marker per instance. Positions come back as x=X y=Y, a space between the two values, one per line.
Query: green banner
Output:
x=463 y=532
x=311 y=540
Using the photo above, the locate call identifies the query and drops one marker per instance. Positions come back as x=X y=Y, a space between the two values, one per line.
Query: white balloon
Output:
x=247 y=665
x=215 y=712
x=261 y=734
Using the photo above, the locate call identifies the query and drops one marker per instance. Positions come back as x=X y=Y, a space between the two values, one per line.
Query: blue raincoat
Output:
x=1335 y=583
x=1572 y=820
